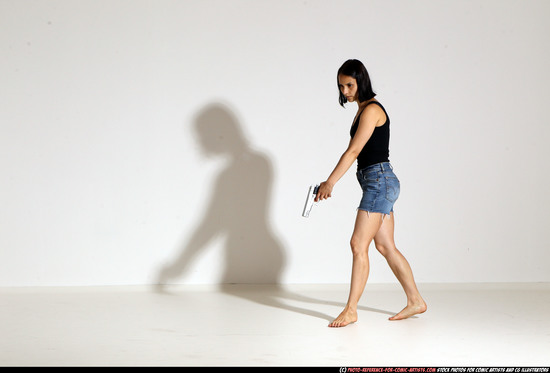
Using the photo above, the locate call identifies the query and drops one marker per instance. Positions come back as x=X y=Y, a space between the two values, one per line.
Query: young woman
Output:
x=369 y=145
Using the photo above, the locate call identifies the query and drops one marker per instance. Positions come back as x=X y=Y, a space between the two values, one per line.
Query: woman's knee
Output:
x=385 y=248
x=359 y=246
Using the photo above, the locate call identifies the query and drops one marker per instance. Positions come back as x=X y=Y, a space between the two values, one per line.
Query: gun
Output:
x=311 y=194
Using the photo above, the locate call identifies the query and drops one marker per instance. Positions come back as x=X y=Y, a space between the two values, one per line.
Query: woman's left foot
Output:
x=410 y=310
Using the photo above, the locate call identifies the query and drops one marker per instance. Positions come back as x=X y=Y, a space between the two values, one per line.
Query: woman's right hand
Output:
x=324 y=192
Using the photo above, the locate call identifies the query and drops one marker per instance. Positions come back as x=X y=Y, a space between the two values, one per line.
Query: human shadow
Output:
x=238 y=212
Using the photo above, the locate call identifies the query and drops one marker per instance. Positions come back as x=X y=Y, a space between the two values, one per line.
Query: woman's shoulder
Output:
x=376 y=110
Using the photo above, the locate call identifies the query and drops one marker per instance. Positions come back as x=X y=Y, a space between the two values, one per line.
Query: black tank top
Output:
x=377 y=149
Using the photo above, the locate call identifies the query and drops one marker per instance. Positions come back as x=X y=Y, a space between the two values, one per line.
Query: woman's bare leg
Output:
x=366 y=226
x=384 y=241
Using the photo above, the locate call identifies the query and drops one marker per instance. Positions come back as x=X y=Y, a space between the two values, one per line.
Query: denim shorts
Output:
x=380 y=188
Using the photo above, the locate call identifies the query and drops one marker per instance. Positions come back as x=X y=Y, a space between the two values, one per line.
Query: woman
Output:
x=369 y=145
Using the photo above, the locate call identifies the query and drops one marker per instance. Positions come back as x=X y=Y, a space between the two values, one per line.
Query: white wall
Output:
x=107 y=176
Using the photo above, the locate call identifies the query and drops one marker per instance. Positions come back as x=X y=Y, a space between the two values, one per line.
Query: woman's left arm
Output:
x=370 y=118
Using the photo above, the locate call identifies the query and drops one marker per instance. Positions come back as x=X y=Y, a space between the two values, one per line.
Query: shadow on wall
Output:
x=238 y=209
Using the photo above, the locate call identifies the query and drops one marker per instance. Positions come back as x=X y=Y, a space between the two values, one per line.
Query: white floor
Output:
x=466 y=325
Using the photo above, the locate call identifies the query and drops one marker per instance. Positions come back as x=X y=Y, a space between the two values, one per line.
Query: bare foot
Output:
x=410 y=310
x=346 y=317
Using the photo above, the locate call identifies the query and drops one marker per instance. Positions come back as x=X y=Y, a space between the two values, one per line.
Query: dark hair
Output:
x=356 y=70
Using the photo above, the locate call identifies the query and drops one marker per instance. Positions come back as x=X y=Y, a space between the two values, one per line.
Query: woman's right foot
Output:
x=345 y=318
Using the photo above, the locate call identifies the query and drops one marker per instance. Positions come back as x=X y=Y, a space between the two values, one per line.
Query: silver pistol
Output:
x=311 y=194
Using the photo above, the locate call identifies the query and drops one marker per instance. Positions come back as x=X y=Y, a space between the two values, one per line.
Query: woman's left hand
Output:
x=324 y=192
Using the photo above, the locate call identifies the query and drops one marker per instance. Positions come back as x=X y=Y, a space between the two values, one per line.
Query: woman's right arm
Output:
x=371 y=116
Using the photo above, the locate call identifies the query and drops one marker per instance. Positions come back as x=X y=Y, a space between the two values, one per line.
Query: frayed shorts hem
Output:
x=375 y=212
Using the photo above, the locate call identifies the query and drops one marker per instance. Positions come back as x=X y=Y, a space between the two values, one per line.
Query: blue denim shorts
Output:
x=380 y=188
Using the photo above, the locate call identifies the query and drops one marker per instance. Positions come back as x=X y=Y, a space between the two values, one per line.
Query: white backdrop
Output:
x=177 y=139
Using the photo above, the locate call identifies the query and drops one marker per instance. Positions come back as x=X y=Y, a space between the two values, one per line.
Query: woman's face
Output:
x=348 y=87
